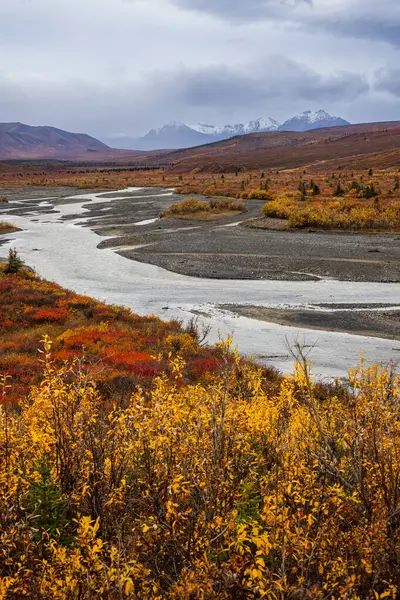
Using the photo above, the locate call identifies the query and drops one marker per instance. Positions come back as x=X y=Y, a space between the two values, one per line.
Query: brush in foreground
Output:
x=224 y=490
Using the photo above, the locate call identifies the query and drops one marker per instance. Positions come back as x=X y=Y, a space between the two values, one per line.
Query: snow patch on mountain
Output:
x=312 y=120
x=260 y=124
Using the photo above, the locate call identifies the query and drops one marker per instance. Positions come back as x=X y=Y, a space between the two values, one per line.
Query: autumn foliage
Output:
x=220 y=490
x=192 y=206
x=121 y=351
x=135 y=463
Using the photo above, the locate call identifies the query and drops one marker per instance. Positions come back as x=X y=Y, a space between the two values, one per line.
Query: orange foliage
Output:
x=112 y=342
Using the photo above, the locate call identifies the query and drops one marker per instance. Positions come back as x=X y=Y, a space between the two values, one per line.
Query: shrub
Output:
x=203 y=491
x=280 y=207
x=369 y=191
x=338 y=191
x=190 y=206
x=186 y=206
x=14 y=263
x=261 y=195
x=46 y=509
x=226 y=204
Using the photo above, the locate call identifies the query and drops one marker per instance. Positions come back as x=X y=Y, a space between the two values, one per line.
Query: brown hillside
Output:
x=355 y=146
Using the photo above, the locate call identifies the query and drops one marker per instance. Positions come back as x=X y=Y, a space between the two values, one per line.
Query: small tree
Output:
x=338 y=191
x=314 y=188
x=369 y=191
x=302 y=187
x=14 y=263
x=355 y=185
x=46 y=509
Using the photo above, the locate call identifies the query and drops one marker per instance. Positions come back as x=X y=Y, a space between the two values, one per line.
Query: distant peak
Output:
x=312 y=115
x=176 y=124
x=310 y=119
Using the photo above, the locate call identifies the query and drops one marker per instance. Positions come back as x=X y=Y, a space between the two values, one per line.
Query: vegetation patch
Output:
x=7 y=227
x=200 y=208
x=341 y=211
x=222 y=488
x=137 y=463
x=121 y=351
x=350 y=198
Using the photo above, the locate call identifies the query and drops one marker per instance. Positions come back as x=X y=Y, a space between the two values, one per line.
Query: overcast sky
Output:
x=119 y=67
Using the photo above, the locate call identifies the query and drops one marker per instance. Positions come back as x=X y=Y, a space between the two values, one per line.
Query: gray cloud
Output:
x=388 y=80
x=255 y=84
x=219 y=93
x=241 y=10
x=121 y=67
x=364 y=19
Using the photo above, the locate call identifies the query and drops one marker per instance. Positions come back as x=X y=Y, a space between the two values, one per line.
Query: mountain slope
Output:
x=23 y=141
x=309 y=120
x=173 y=135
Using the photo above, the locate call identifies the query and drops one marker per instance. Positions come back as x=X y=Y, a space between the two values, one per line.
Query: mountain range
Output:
x=179 y=135
x=365 y=145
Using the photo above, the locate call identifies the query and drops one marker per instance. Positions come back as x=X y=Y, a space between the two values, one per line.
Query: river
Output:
x=64 y=250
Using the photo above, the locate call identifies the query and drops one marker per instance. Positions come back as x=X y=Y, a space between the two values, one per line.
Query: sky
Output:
x=116 y=68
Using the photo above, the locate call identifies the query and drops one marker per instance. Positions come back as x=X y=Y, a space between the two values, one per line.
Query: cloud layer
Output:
x=120 y=67
x=242 y=11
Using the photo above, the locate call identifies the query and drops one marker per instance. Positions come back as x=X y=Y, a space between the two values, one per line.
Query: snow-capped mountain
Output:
x=238 y=129
x=312 y=120
x=179 y=135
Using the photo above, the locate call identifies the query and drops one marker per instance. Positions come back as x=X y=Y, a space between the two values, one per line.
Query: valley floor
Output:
x=263 y=285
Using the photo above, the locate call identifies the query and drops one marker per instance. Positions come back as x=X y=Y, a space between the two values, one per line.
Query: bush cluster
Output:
x=190 y=206
x=342 y=213
x=223 y=490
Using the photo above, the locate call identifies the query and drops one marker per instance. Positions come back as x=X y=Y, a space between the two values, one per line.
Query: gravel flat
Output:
x=370 y=323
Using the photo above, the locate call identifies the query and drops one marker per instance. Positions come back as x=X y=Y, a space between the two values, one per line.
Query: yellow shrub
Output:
x=221 y=491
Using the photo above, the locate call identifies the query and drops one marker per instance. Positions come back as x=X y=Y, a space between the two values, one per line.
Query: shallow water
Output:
x=65 y=252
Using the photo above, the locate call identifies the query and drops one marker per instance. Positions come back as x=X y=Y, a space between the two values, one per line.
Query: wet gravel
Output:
x=383 y=324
